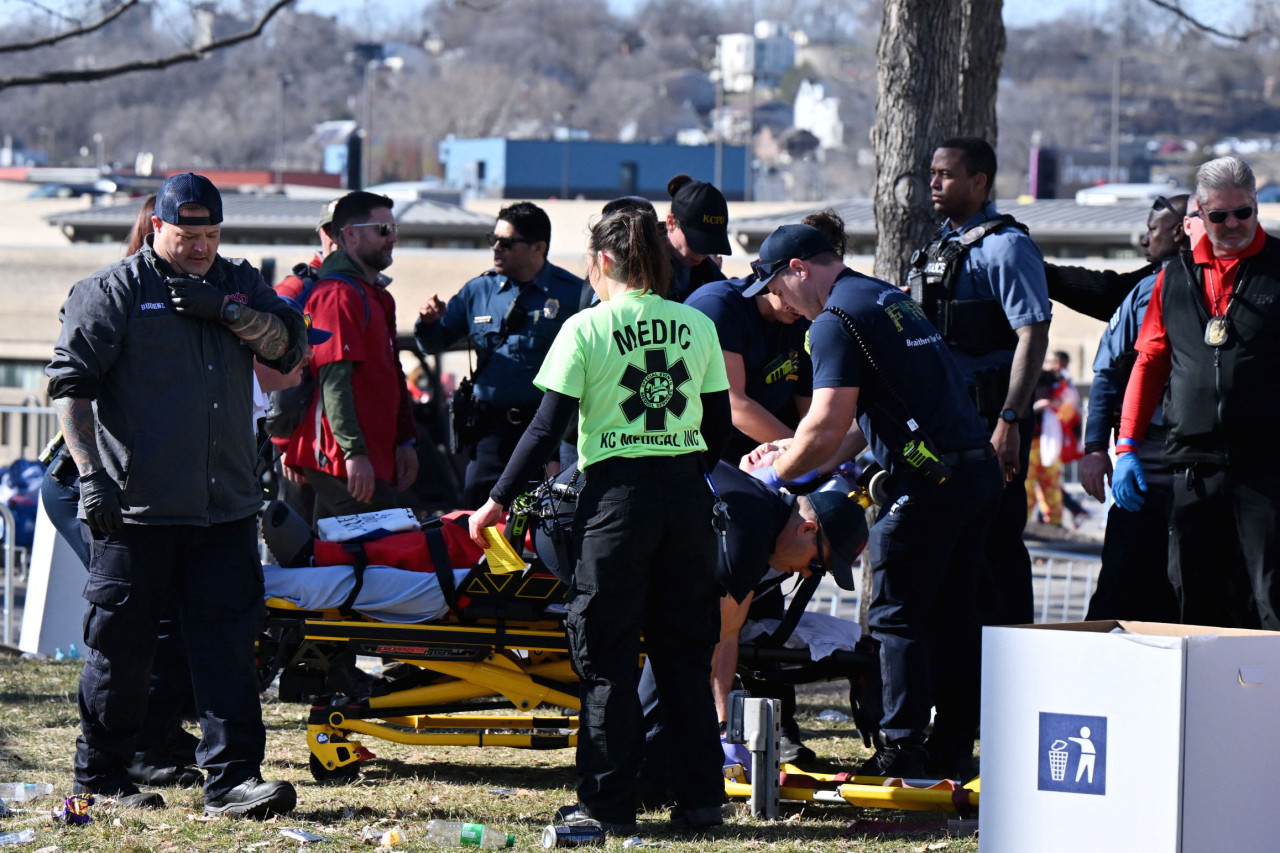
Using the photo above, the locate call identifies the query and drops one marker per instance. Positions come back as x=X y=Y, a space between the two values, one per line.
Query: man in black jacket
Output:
x=152 y=377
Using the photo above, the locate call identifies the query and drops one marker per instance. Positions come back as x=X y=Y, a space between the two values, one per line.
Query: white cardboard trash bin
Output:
x=1130 y=736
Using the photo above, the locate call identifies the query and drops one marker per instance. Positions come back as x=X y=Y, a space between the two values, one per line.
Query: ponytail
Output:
x=638 y=247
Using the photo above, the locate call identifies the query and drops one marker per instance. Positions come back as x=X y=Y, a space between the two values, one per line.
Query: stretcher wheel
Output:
x=342 y=775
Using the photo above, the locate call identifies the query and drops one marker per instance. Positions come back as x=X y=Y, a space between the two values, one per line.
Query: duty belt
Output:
x=514 y=415
x=976 y=455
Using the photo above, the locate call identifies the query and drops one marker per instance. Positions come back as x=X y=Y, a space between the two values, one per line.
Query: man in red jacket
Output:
x=355 y=444
x=1212 y=333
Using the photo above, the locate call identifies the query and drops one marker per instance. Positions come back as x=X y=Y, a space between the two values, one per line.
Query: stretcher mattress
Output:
x=388 y=594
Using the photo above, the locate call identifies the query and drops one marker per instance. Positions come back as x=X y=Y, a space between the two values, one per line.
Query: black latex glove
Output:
x=101 y=500
x=196 y=298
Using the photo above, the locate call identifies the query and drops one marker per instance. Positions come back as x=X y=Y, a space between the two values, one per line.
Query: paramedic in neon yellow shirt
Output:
x=648 y=383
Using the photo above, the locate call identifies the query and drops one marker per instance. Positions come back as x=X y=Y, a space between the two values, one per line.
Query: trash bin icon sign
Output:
x=1058 y=760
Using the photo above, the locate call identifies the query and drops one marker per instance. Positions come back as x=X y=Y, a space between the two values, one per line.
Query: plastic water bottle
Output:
x=58 y=654
x=20 y=792
x=831 y=715
x=452 y=833
x=22 y=836
x=73 y=653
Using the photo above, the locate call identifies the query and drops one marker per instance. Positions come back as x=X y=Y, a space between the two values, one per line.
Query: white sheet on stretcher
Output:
x=820 y=633
x=388 y=594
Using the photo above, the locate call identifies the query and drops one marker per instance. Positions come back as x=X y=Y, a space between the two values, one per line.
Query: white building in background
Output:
x=819 y=114
x=756 y=59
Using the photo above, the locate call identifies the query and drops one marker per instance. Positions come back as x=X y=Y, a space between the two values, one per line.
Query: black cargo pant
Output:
x=926 y=561
x=1224 y=544
x=216 y=577
x=170 y=695
x=1133 y=582
x=647 y=558
x=1007 y=597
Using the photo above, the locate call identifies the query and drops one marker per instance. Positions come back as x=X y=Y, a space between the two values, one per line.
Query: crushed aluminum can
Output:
x=572 y=836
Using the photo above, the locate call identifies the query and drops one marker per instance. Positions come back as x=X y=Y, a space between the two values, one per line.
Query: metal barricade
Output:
x=25 y=430
x=10 y=564
x=1063 y=583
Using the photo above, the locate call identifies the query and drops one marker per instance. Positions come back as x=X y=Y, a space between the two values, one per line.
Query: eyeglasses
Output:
x=763 y=270
x=504 y=242
x=1217 y=217
x=385 y=229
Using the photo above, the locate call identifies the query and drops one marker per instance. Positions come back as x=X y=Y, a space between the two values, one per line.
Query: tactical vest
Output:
x=1223 y=401
x=976 y=326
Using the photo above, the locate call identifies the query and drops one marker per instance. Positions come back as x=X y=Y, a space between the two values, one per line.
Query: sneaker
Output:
x=901 y=760
x=699 y=818
x=254 y=798
x=577 y=815
x=154 y=767
x=126 y=797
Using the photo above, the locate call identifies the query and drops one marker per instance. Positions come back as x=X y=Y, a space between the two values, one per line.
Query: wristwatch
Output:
x=231 y=313
x=1009 y=416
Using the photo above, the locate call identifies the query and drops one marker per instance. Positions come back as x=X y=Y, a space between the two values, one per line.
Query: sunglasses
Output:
x=763 y=270
x=385 y=229
x=504 y=243
x=306 y=318
x=1217 y=217
x=819 y=562
x=1161 y=203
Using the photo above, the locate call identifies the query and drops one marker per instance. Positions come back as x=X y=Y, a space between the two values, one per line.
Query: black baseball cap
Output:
x=788 y=243
x=188 y=188
x=703 y=215
x=842 y=526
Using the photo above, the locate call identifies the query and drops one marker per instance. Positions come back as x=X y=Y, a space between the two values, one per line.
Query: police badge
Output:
x=551 y=309
x=1215 y=333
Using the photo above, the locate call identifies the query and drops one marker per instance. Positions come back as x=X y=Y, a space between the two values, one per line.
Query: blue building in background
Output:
x=547 y=168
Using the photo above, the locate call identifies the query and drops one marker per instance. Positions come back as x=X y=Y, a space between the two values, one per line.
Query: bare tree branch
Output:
x=88 y=74
x=63 y=36
x=1177 y=10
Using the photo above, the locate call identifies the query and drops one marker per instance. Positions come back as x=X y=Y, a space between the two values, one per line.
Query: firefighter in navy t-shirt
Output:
x=876 y=358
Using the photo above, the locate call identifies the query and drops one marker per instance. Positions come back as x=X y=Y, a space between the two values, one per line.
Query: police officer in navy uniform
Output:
x=645 y=377
x=512 y=314
x=877 y=359
x=981 y=282
x=1133 y=582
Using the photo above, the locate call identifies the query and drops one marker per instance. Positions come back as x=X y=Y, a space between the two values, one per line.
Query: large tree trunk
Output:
x=982 y=44
x=938 y=66
x=918 y=57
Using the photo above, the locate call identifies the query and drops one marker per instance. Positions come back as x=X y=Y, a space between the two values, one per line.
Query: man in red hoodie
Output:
x=1212 y=331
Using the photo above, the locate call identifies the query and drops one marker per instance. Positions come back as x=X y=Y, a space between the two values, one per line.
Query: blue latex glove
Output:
x=1129 y=483
x=769 y=476
x=736 y=753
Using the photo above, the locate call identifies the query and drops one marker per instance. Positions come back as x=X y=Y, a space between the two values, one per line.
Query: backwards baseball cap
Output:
x=188 y=188
x=315 y=337
x=703 y=215
x=788 y=243
x=326 y=213
x=842 y=533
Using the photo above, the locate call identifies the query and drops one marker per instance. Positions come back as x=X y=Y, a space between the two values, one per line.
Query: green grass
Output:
x=404 y=787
